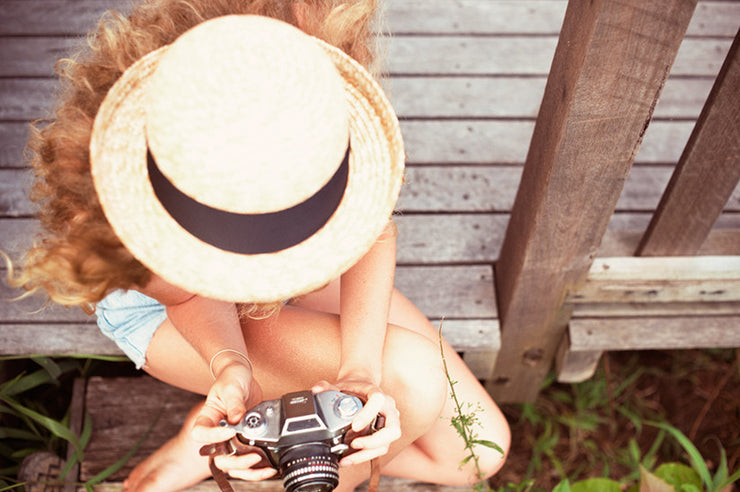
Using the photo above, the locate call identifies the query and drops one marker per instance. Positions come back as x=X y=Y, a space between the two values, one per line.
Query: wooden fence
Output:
x=609 y=69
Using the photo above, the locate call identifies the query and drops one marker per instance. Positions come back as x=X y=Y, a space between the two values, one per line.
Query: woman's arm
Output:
x=212 y=326
x=365 y=296
x=365 y=299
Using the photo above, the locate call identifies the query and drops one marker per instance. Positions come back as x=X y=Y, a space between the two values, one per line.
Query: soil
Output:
x=695 y=391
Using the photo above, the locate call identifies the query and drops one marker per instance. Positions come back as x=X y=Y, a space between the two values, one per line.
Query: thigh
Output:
x=441 y=442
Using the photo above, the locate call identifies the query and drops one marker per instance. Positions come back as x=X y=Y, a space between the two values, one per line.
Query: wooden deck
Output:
x=466 y=78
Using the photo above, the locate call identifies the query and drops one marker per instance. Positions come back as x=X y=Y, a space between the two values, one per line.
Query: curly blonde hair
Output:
x=77 y=259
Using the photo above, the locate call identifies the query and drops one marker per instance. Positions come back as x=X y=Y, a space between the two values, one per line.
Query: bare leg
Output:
x=436 y=455
x=292 y=352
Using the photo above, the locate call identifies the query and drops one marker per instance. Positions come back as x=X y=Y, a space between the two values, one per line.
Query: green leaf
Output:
x=562 y=486
x=465 y=460
x=84 y=439
x=695 y=458
x=689 y=488
x=596 y=485
x=651 y=483
x=14 y=486
x=488 y=444
x=721 y=474
x=56 y=428
x=9 y=433
x=731 y=479
x=49 y=366
x=23 y=382
x=678 y=474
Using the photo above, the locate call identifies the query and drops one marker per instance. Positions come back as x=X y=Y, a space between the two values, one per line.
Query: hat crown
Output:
x=247 y=114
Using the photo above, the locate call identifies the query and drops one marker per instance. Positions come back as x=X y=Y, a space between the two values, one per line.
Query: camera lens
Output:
x=309 y=467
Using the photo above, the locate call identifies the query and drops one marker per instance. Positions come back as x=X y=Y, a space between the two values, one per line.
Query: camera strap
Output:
x=229 y=447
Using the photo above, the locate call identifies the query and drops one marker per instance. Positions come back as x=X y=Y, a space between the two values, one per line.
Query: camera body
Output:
x=303 y=435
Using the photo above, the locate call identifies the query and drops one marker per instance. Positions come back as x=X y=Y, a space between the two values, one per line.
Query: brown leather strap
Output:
x=228 y=448
x=213 y=450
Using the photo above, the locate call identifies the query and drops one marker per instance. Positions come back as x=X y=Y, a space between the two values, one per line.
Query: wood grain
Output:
x=603 y=86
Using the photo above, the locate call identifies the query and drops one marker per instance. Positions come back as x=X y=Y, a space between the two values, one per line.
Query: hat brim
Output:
x=118 y=155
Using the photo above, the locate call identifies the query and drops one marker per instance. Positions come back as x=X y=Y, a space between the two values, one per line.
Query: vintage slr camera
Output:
x=303 y=435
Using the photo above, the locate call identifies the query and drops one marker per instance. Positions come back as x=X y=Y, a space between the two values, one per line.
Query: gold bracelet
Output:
x=210 y=364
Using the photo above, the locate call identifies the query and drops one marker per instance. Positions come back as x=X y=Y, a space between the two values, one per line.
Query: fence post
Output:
x=610 y=65
x=707 y=172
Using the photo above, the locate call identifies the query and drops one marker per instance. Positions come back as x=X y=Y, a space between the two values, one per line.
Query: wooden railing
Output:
x=610 y=66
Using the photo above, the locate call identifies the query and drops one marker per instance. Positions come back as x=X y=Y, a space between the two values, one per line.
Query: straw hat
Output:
x=247 y=161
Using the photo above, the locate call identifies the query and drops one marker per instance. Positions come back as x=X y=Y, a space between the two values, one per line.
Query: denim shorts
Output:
x=130 y=319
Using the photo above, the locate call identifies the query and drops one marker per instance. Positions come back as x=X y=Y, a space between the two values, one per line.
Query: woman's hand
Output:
x=232 y=393
x=378 y=403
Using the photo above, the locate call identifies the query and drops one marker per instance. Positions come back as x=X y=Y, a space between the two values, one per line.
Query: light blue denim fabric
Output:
x=130 y=318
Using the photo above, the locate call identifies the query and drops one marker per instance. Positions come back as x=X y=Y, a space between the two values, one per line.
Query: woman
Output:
x=180 y=134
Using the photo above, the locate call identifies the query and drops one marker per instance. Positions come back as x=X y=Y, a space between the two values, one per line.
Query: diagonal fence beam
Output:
x=610 y=65
x=707 y=172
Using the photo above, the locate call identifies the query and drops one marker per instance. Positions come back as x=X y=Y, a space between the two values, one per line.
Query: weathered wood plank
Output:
x=455 y=238
x=493 y=188
x=663 y=333
x=605 y=80
x=55 y=339
x=13 y=137
x=115 y=432
x=24 y=99
x=458 y=189
x=423 y=239
x=525 y=16
x=427 y=55
x=449 y=292
x=704 y=279
x=514 y=97
x=720 y=242
x=54 y=17
x=447 y=141
x=71 y=17
x=34 y=56
x=706 y=174
x=506 y=142
x=15 y=185
x=633 y=220
x=520 y=55
x=654 y=309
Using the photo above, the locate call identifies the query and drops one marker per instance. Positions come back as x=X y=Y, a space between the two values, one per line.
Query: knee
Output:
x=414 y=376
x=490 y=460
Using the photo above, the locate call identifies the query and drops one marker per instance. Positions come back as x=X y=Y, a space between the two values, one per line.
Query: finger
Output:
x=253 y=475
x=363 y=456
x=372 y=408
x=380 y=439
x=234 y=462
x=323 y=386
x=236 y=410
x=209 y=434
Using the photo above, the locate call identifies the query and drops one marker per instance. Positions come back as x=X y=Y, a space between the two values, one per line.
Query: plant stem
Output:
x=463 y=428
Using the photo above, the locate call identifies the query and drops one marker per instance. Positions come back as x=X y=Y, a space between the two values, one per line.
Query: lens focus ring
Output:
x=309 y=468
